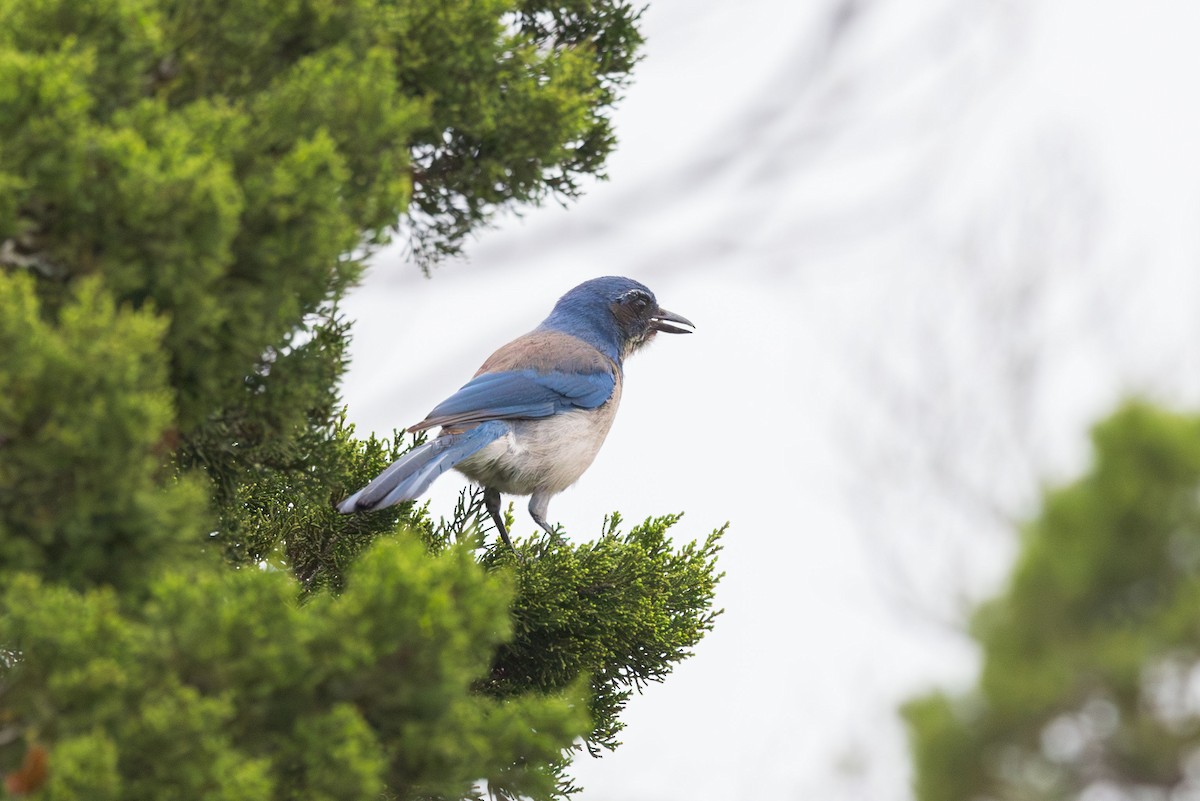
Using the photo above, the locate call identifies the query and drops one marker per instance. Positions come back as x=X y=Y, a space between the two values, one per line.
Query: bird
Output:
x=534 y=416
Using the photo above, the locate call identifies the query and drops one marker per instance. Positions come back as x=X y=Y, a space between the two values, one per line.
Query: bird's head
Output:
x=617 y=315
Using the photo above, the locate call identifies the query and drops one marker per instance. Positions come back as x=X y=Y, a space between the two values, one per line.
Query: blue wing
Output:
x=520 y=395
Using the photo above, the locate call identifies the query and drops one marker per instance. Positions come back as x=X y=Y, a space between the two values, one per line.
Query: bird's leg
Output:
x=491 y=502
x=539 y=506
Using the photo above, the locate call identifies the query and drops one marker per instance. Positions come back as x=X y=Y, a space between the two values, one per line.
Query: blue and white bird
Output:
x=536 y=413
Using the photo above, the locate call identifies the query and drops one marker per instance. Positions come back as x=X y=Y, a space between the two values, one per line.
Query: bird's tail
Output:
x=410 y=475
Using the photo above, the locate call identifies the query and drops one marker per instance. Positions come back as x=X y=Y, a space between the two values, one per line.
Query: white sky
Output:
x=814 y=218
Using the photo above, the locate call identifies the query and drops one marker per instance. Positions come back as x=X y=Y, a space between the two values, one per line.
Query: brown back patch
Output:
x=546 y=351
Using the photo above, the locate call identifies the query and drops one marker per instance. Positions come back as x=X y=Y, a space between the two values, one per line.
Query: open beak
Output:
x=661 y=321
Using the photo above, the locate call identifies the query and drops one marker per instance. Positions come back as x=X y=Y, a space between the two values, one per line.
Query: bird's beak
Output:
x=661 y=321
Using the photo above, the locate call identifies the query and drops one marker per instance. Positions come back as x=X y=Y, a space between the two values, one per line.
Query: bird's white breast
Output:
x=544 y=455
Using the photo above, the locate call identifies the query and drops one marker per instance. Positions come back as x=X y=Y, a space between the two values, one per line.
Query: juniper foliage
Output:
x=186 y=190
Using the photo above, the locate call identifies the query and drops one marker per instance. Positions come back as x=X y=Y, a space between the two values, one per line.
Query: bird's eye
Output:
x=637 y=300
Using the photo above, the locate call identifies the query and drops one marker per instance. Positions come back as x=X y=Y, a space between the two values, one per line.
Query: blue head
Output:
x=615 y=315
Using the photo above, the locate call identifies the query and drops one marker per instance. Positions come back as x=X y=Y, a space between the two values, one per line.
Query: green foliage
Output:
x=622 y=609
x=84 y=409
x=221 y=159
x=1091 y=657
x=186 y=191
x=221 y=686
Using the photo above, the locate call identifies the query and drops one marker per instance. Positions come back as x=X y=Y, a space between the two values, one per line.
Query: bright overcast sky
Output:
x=851 y=228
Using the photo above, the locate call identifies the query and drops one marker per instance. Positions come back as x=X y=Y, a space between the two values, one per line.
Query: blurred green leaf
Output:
x=1091 y=658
